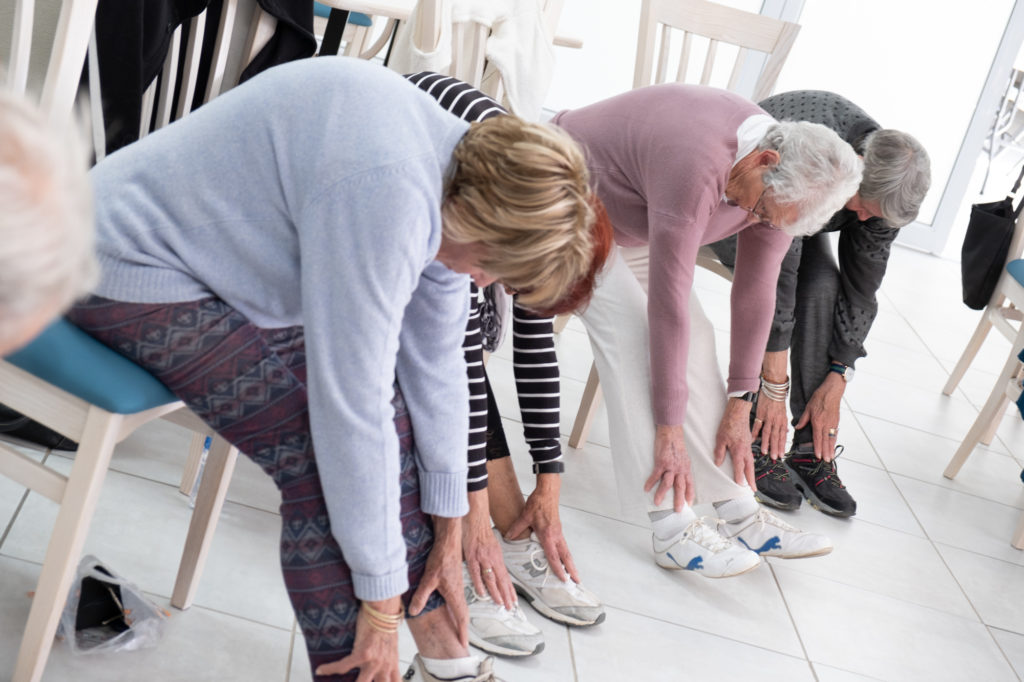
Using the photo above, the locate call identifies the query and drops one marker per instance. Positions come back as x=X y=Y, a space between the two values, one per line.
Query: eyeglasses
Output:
x=758 y=215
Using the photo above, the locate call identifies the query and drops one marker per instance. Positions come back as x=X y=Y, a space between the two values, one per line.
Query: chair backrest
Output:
x=469 y=50
x=703 y=21
x=66 y=53
x=176 y=96
x=713 y=24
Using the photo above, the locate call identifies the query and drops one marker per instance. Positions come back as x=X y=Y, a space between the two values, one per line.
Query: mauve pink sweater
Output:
x=659 y=159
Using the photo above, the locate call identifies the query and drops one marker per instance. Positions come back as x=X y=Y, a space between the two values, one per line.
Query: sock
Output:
x=667 y=523
x=452 y=668
x=736 y=509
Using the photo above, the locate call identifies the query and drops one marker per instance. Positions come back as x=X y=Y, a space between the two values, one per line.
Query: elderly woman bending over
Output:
x=824 y=309
x=678 y=167
x=282 y=257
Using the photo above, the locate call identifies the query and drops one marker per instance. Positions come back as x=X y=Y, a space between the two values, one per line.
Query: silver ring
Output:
x=758 y=419
x=488 y=570
x=832 y=433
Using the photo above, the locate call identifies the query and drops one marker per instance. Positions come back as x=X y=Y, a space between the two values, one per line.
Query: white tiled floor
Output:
x=923 y=584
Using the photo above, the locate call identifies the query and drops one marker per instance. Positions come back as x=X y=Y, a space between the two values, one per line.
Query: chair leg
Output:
x=213 y=488
x=561 y=321
x=1018 y=535
x=588 y=408
x=970 y=351
x=192 y=465
x=69 y=532
x=990 y=429
x=989 y=412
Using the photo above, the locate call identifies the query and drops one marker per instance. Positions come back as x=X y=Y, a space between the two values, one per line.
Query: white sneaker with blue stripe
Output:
x=768 y=535
x=701 y=548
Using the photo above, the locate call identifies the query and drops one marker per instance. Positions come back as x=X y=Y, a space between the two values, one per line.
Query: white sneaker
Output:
x=418 y=672
x=498 y=630
x=564 y=602
x=765 y=533
x=700 y=547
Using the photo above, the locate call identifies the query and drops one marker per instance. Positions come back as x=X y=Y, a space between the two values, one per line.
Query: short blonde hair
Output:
x=46 y=216
x=521 y=191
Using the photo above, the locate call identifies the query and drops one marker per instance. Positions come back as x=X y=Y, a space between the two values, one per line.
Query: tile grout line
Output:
x=291 y=654
x=792 y=619
x=572 y=655
x=21 y=505
x=910 y=508
x=990 y=628
x=705 y=632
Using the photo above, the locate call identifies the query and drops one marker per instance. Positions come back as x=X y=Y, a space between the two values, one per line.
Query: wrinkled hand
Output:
x=771 y=425
x=822 y=412
x=541 y=515
x=375 y=653
x=671 y=467
x=444 y=574
x=483 y=554
x=734 y=437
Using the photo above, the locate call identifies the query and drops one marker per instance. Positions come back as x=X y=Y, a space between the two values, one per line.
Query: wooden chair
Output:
x=78 y=387
x=1007 y=386
x=660 y=22
x=1001 y=313
x=343 y=22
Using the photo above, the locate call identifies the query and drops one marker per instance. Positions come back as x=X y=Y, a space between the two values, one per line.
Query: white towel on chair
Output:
x=519 y=46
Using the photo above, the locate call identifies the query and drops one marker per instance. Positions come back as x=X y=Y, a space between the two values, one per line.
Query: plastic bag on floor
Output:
x=107 y=613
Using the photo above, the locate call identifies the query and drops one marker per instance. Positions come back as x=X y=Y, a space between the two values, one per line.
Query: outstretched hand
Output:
x=541 y=515
x=734 y=438
x=671 y=471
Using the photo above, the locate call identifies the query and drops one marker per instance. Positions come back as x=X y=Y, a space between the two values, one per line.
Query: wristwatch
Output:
x=845 y=371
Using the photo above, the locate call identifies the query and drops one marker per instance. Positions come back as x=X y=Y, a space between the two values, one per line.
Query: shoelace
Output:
x=772 y=469
x=825 y=472
x=704 y=531
x=765 y=517
x=540 y=562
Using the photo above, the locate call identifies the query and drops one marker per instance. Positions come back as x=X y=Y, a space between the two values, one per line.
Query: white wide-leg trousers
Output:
x=616 y=321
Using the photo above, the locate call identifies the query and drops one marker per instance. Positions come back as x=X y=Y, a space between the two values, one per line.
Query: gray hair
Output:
x=46 y=219
x=817 y=172
x=897 y=174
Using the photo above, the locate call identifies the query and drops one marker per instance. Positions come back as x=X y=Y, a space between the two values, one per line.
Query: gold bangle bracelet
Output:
x=391 y=618
x=390 y=630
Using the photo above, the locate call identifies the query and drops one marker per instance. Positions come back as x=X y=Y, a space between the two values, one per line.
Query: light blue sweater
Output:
x=311 y=196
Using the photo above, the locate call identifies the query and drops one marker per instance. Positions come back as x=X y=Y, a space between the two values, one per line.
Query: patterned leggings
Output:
x=249 y=384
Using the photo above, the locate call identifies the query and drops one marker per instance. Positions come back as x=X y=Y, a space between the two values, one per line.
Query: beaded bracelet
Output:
x=773 y=391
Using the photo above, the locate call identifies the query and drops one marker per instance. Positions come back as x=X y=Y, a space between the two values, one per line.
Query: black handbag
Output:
x=986 y=246
x=19 y=426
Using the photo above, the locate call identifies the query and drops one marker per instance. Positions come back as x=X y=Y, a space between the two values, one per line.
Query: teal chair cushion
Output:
x=70 y=359
x=357 y=18
x=1016 y=270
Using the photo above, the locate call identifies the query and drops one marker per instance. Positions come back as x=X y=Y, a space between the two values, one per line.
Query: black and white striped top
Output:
x=533 y=341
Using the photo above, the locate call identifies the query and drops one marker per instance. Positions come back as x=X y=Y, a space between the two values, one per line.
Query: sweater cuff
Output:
x=443 y=494
x=743 y=386
x=779 y=340
x=381 y=587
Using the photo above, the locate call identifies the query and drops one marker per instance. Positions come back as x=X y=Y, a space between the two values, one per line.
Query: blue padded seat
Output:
x=1016 y=270
x=357 y=18
x=70 y=359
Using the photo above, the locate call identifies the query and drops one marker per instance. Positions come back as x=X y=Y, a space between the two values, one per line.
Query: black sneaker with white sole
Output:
x=775 y=486
x=819 y=481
